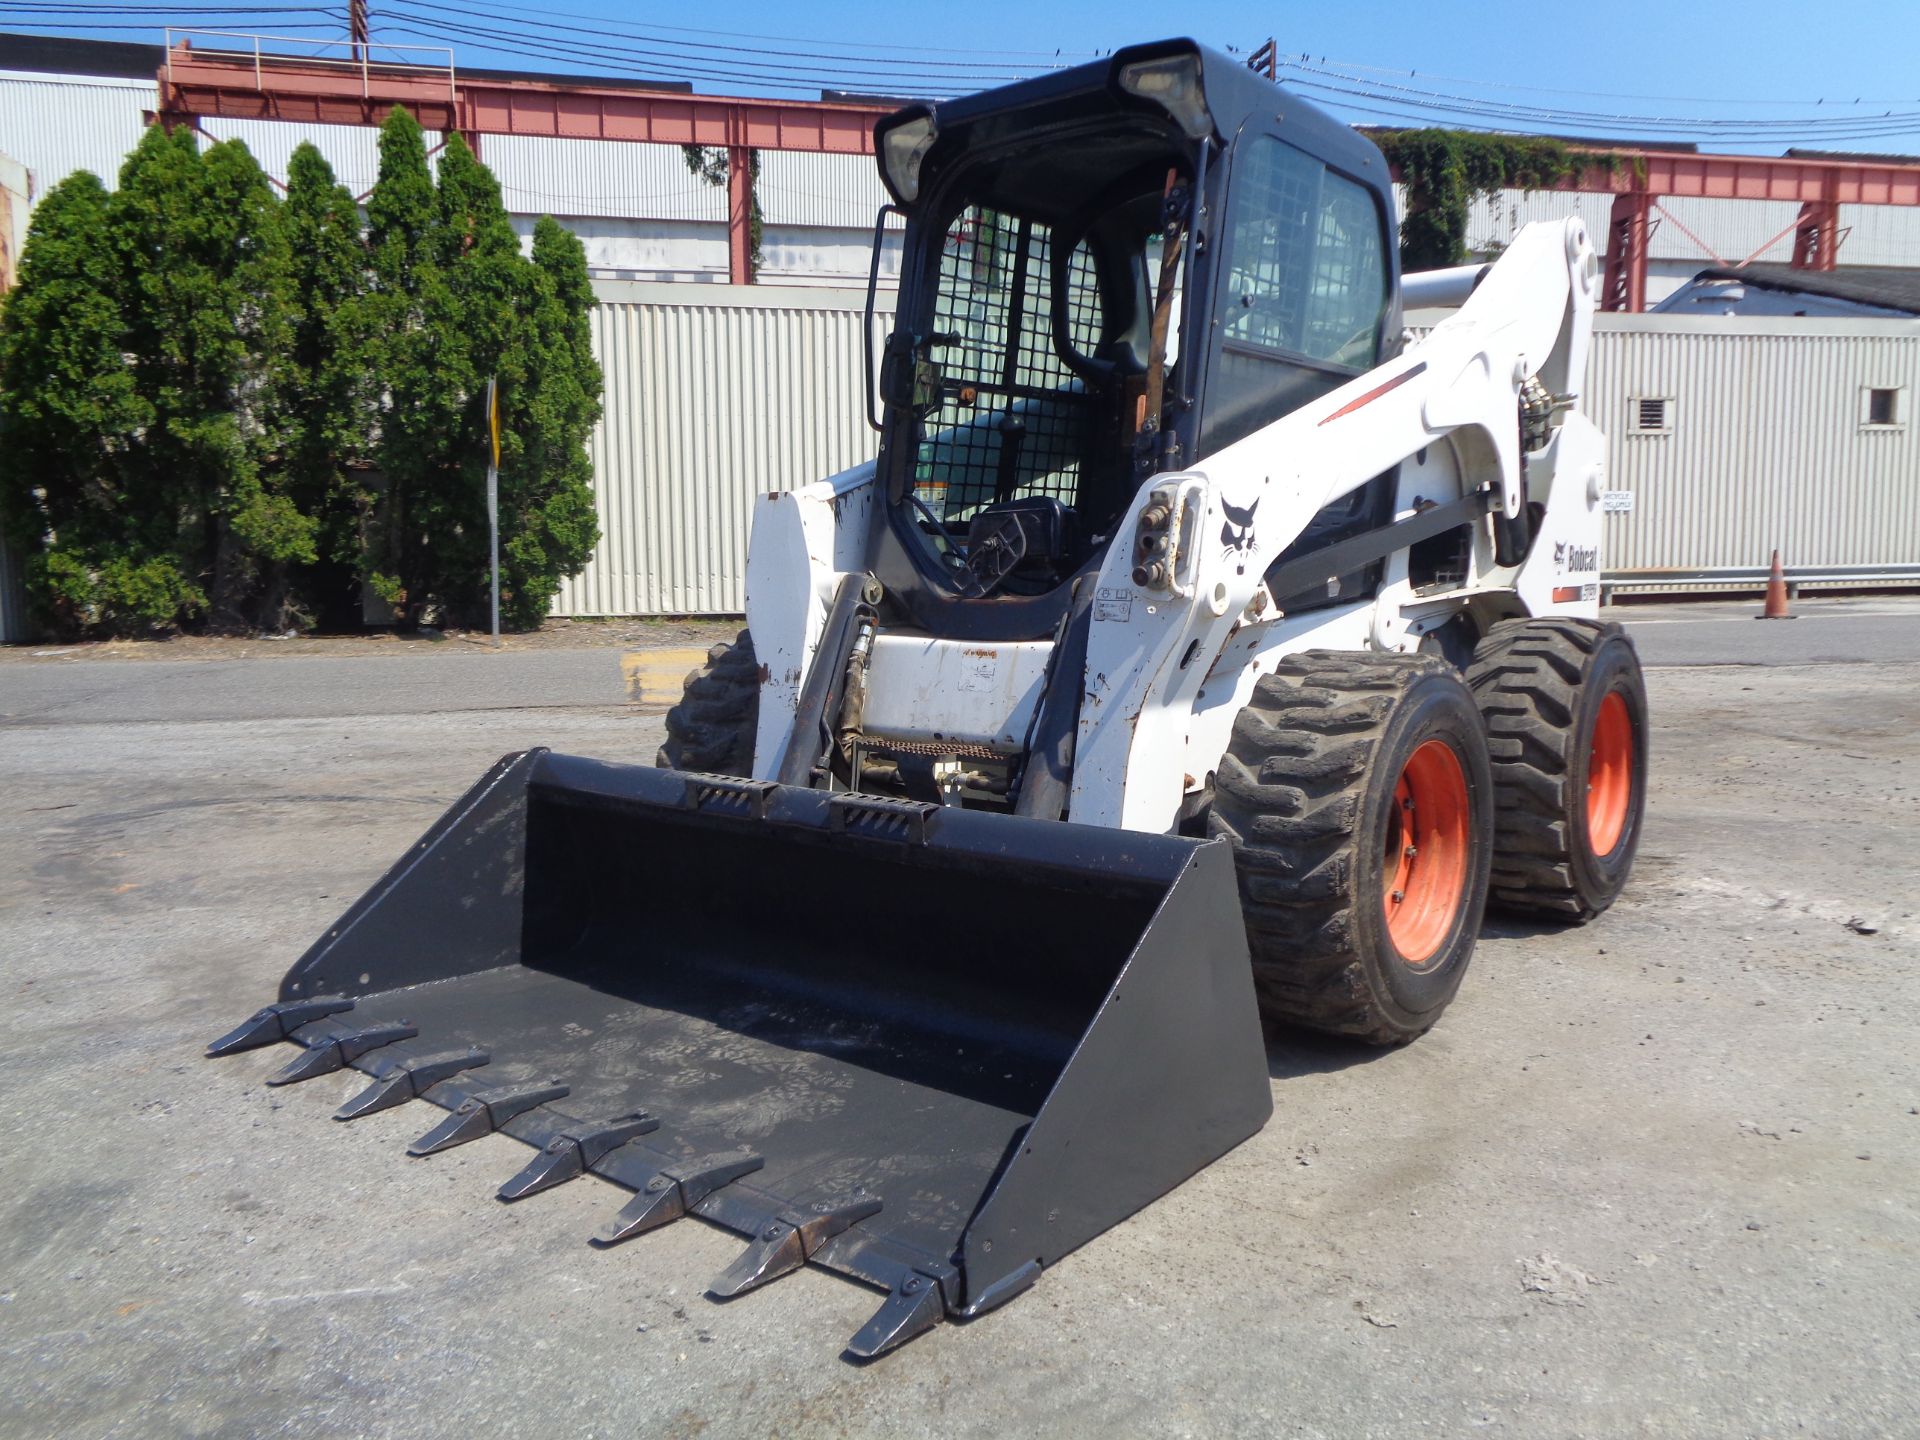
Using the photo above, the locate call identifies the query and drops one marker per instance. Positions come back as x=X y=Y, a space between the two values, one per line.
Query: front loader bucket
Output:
x=932 y=1049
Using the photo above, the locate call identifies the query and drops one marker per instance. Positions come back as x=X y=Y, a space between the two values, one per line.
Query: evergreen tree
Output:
x=329 y=389
x=481 y=313
x=193 y=377
x=69 y=421
x=547 y=517
x=204 y=274
x=408 y=420
x=264 y=533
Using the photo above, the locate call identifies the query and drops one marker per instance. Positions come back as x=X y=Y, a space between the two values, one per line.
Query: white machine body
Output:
x=1170 y=664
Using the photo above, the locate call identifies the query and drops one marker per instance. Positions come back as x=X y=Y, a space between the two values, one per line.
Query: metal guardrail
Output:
x=259 y=50
x=1754 y=577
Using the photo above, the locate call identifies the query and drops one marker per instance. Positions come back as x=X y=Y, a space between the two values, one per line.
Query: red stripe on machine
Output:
x=1375 y=393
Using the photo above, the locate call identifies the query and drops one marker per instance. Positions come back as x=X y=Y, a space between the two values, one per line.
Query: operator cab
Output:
x=1108 y=271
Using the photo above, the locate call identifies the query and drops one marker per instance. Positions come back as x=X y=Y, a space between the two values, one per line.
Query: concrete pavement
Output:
x=1653 y=1176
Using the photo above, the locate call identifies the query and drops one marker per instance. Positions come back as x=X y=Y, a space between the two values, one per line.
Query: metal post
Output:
x=1625 y=285
x=740 y=215
x=1816 y=239
x=493 y=497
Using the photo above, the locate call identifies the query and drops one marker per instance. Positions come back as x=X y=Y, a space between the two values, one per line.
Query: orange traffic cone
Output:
x=1776 y=608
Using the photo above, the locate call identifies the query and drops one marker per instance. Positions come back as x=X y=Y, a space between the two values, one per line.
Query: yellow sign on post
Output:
x=493 y=419
x=493 y=498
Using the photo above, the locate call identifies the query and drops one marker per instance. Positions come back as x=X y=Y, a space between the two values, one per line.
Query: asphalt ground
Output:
x=1655 y=1176
x=67 y=686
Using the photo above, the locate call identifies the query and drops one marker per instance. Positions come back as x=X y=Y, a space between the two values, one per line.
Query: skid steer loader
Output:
x=1195 y=650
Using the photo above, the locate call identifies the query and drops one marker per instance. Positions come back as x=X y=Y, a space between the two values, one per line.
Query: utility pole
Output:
x=357 y=30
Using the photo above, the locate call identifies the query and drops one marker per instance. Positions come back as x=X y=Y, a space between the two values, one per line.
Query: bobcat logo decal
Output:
x=1575 y=557
x=1237 y=534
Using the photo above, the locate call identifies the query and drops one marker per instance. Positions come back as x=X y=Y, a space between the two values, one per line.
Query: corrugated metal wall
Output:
x=57 y=124
x=13 y=231
x=714 y=395
x=1767 y=444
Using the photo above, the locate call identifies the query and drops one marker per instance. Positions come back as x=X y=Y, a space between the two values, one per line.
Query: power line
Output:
x=643 y=62
x=1588 y=94
x=669 y=60
x=90 y=27
x=1474 y=105
x=122 y=10
x=970 y=68
x=522 y=50
x=810 y=39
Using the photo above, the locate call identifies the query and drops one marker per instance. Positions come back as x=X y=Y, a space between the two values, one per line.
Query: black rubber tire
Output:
x=1540 y=683
x=712 y=728
x=1306 y=792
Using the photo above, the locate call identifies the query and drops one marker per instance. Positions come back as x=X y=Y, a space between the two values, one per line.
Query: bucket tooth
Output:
x=576 y=1150
x=786 y=1242
x=484 y=1112
x=335 y=1052
x=405 y=1081
x=914 y=1307
x=676 y=1190
x=275 y=1022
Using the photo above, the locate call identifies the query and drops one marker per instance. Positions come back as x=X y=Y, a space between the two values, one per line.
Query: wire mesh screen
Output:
x=1305 y=268
x=1349 y=284
x=1012 y=419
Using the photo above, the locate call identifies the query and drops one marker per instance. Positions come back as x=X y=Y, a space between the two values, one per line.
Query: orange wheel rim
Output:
x=1610 y=774
x=1428 y=841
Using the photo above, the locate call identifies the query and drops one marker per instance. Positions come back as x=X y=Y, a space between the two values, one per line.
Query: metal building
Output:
x=1730 y=436
x=1726 y=437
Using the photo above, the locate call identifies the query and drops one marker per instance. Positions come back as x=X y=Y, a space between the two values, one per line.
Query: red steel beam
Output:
x=1820 y=187
x=199 y=85
x=195 y=84
x=1751 y=177
x=1637 y=178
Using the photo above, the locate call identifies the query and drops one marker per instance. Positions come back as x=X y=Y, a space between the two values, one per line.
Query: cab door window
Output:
x=1304 y=280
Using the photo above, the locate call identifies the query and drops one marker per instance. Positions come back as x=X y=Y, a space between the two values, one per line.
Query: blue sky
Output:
x=1628 y=69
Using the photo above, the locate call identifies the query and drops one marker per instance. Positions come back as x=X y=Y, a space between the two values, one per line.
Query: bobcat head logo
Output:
x=1237 y=534
x=1559 y=554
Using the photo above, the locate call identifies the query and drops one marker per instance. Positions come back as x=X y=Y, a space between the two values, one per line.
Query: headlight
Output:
x=1173 y=83
x=904 y=147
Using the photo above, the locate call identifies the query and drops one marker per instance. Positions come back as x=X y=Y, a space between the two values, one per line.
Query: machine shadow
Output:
x=1293 y=1052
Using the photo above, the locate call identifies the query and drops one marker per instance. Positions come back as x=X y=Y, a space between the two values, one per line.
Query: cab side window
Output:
x=1305 y=279
x=1305 y=271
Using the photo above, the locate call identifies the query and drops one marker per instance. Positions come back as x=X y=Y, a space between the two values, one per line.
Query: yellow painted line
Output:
x=655 y=677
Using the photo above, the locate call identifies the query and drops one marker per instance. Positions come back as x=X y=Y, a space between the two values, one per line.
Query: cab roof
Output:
x=1085 y=95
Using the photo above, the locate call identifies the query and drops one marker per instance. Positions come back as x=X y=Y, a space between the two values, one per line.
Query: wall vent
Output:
x=1650 y=415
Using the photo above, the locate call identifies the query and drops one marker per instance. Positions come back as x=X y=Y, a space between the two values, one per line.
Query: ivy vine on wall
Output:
x=1444 y=171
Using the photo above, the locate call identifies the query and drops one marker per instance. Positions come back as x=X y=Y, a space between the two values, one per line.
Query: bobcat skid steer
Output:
x=1194 y=651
